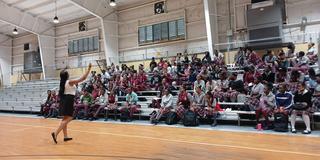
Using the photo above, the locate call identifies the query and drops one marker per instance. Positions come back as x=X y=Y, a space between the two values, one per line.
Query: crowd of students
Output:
x=282 y=83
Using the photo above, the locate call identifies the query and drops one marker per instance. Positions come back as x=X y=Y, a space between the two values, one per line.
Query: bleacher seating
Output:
x=26 y=96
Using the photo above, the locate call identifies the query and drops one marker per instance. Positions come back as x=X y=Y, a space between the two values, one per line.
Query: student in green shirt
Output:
x=131 y=103
x=85 y=103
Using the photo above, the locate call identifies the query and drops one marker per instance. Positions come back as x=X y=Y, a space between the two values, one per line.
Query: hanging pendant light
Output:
x=112 y=3
x=15 y=31
x=55 y=19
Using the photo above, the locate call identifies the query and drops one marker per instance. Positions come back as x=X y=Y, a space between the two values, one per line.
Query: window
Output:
x=91 y=44
x=75 y=46
x=172 y=30
x=149 y=35
x=142 y=34
x=164 y=31
x=161 y=32
x=180 y=27
x=80 y=45
x=96 y=43
x=157 y=32
x=70 y=47
x=83 y=45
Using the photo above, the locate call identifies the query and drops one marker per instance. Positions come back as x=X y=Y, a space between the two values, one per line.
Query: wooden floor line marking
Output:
x=176 y=141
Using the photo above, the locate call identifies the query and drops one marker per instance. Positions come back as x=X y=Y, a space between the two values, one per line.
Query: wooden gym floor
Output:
x=29 y=138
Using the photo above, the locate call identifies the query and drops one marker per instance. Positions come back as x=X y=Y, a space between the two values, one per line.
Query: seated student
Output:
x=155 y=80
x=142 y=81
x=266 y=105
x=112 y=103
x=45 y=107
x=302 y=62
x=131 y=105
x=99 y=104
x=282 y=61
x=207 y=58
x=294 y=81
x=221 y=86
x=316 y=95
x=85 y=103
x=166 y=106
x=302 y=105
x=95 y=91
x=197 y=105
x=210 y=110
x=199 y=82
x=284 y=100
x=235 y=87
x=184 y=101
x=268 y=75
x=312 y=54
x=248 y=76
x=54 y=107
x=257 y=87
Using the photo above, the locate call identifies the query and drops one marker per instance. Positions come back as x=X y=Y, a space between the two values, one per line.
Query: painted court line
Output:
x=176 y=126
x=176 y=141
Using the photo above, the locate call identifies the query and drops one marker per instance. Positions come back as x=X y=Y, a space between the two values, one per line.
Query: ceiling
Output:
x=6 y=29
x=45 y=9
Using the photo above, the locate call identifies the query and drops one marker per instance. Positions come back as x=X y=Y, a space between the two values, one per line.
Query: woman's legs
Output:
x=65 y=132
x=293 y=120
x=306 y=120
x=63 y=126
x=98 y=111
x=160 y=113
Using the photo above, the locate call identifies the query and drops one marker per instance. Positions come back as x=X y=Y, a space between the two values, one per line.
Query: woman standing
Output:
x=67 y=92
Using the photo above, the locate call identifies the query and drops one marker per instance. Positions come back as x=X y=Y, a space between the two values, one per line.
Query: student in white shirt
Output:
x=166 y=105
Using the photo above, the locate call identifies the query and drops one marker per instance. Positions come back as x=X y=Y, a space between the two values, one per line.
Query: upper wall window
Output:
x=84 y=45
x=162 y=32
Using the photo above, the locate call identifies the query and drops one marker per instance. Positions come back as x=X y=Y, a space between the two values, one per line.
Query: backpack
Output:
x=172 y=118
x=81 y=114
x=280 y=122
x=190 y=119
x=124 y=115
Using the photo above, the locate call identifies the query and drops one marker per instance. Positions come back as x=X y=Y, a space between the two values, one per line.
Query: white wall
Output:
x=130 y=19
x=5 y=59
x=296 y=9
x=71 y=31
x=18 y=52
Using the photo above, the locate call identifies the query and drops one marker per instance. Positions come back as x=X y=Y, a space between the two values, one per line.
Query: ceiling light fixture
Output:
x=112 y=3
x=55 y=19
x=15 y=31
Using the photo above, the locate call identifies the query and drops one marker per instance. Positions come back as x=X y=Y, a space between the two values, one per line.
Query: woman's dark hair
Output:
x=209 y=94
x=64 y=76
x=269 y=86
x=312 y=73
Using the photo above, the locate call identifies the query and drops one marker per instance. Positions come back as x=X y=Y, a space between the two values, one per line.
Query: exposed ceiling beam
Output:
x=98 y=8
x=16 y=2
x=43 y=3
x=52 y=10
x=16 y=17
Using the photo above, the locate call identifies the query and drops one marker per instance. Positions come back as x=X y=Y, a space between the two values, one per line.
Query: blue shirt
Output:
x=284 y=99
x=132 y=98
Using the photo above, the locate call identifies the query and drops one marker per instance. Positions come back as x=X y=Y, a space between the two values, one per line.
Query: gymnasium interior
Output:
x=170 y=79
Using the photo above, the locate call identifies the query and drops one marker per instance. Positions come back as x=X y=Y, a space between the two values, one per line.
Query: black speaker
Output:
x=159 y=7
x=82 y=26
x=26 y=46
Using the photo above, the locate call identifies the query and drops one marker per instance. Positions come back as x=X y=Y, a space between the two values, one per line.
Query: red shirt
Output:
x=111 y=98
x=183 y=98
